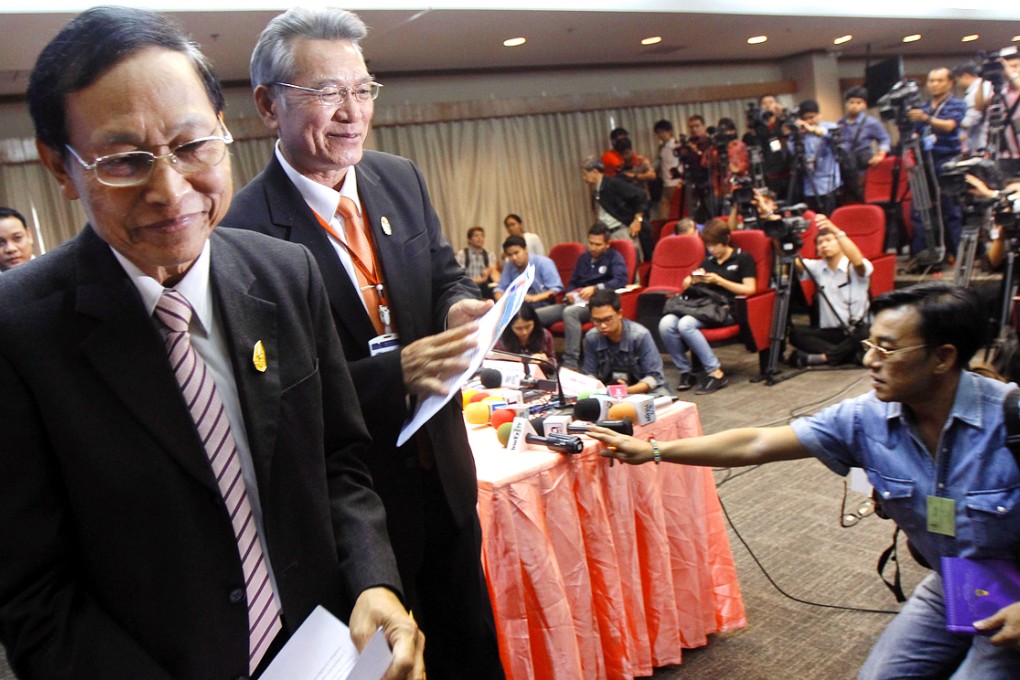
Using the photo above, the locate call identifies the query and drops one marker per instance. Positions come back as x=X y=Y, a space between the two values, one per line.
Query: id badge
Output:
x=775 y=145
x=928 y=142
x=380 y=344
x=942 y=515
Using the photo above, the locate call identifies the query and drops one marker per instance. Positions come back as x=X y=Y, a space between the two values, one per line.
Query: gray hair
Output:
x=272 y=60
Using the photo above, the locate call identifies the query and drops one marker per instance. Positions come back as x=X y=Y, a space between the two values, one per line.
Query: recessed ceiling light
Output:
x=970 y=38
x=912 y=38
x=842 y=39
x=1016 y=38
x=757 y=40
x=514 y=42
x=654 y=40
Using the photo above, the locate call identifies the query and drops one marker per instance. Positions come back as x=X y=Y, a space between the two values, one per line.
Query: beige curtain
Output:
x=477 y=170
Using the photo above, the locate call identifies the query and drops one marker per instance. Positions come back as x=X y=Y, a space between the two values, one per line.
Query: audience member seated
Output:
x=526 y=335
x=542 y=293
x=515 y=227
x=841 y=277
x=619 y=351
x=685 y=226
x=478 y=263
x=727 y=270
x=599 y=268
x=15 y=239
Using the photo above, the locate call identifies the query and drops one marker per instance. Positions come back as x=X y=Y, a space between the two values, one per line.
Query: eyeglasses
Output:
x=603 y=321
x=131 y=168
x=886 y=353
x=849 y=519
x=335 y=96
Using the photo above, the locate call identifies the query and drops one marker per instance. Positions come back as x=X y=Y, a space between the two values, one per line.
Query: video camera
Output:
x=787 y=229
x=757 y=117
x=991 y=68
x=895 y=103
x=953 y=176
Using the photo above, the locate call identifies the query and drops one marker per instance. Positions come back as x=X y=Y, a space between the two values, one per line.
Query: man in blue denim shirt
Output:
x=619 y=351
x=930 y=435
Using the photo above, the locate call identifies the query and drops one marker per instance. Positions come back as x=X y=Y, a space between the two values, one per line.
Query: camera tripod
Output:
x=921 y=178
x=785 y=274
x=975 y=219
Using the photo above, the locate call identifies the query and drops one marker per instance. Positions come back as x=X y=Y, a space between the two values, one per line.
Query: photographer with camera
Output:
x=813 y=148
x=1006 y=215
x=931 y=437
x=865 y=143
x=937 y=123
x=668 y=168
x=765 y=130
x=751 y=207
x=696 y=178
x=1003 y=70
x=727 y=160
x=841 y=278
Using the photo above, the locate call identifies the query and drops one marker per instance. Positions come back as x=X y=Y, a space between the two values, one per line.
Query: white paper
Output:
x=322 y=649
x=490 y=327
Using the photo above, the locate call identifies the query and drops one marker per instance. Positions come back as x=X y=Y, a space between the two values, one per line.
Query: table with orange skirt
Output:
x=602 y=572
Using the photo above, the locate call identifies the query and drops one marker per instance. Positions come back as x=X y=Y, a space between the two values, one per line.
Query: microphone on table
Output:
x=624 y=427
x=563 y=443
x=527 y=359
x=490 y=378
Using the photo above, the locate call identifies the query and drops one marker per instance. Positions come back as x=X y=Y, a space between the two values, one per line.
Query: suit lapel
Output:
x=247 y=320
x=287 y=209
x=128 y=353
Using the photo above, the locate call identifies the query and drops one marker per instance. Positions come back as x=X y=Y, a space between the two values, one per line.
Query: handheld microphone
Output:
x=490 y=378
x=563 y=443
x=587 y=409
x=625 y=427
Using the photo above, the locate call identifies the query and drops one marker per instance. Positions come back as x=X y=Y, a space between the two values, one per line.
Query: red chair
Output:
x=564 y=256
x=674 y=259
x=752 y=312
x=865 y=226
x=626 y=248
x=667 y=228
x=878 y=182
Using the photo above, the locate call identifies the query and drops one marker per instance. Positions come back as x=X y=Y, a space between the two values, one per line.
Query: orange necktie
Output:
x=361 y=247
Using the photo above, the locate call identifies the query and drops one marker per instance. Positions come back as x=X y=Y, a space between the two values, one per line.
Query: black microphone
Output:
x=544 y=363
x=625 y=427
x=490 y=378
x=539 y=425
x=563 y=443
x=587 y=409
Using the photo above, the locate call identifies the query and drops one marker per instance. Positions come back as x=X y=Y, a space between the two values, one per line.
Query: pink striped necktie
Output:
x=206 y=408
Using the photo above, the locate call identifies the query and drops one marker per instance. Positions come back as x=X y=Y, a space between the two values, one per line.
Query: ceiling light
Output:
x=842 y=39
x=514 y=42
x=970 y=38
x=1016 y=38
x=757 y=40
x=912 y=38
x=654 y=40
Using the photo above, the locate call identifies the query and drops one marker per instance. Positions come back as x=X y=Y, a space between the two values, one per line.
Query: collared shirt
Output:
x=845 y=289
x=474 y=260
x=546 y=276
x=973 y=122
x=943 y=144
x=635 y=356
x=667 y=161
x=972 y=466
x=208 y=338
x=866 y=130
x=609 y=271
x=822 y=176
x=323 y=200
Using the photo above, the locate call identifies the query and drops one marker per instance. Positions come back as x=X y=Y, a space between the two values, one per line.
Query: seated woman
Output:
x=526 y=335
x=728 y=271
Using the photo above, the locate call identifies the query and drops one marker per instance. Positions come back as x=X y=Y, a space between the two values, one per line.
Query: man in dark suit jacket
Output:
x=119 y=558
x=321 y=107
x=618 y=204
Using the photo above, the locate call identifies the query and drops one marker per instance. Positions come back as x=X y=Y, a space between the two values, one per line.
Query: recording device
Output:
x=953 y=179
x=787 y=229
x=548 y=366
x=757 y=117
x=895 y=103
x=991 y=68
x=562 y=443
x=590 y=409
x=490 y=378
x=624 y=426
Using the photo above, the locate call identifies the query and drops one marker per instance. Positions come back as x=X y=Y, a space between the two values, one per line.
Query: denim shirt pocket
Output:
x=896 y=496
x=993 y=521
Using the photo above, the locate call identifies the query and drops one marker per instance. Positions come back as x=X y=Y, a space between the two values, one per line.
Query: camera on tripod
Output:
x=991 y=68
x=953 y=177
x=787 y=229
x=757 y=117
x=895 y=103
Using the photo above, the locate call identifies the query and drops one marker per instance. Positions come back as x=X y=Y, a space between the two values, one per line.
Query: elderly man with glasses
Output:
x=404 y=309
x=183 y=460
x=932 y=439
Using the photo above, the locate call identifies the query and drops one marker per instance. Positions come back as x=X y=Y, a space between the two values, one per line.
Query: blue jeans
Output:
x=680 y=334
x=916 y=644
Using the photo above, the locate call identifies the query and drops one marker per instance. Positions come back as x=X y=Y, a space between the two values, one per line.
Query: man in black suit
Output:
x=149 y=534
x=617 y=203
x=369 y=223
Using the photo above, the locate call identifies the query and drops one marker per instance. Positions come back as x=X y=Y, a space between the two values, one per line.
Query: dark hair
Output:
x=695 y=116
x=968 y=67
x=857 y=92
x=616 y=133
x=824 y=231
x=600 y=229
x=716 y=232
x=473 y=230
x=952 y=76
x=728 y=123
x=809 y=106
x=11 y=212
x=535 y=341
x=592 y=163
x=767 y=94
x=515 y=217
x=950 y=315
x=90 y=45
x=514 y=241
x=622 y=145
x=603 y=297
x=662 y=126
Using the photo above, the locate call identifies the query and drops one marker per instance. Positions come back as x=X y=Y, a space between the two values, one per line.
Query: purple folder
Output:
x=976 y=589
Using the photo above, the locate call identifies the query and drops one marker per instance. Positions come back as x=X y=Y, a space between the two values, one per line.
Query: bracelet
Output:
x=656 y=452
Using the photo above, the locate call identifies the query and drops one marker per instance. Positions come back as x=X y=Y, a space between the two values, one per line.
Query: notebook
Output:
x=976 y=589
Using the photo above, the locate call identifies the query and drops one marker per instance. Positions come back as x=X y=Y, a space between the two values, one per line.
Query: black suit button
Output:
x=237 y=596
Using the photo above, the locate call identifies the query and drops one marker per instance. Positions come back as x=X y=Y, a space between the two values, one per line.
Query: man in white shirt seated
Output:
x=841 y=277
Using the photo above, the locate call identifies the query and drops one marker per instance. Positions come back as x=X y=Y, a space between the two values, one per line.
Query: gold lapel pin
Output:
x=386 y=226
x=258 y=357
